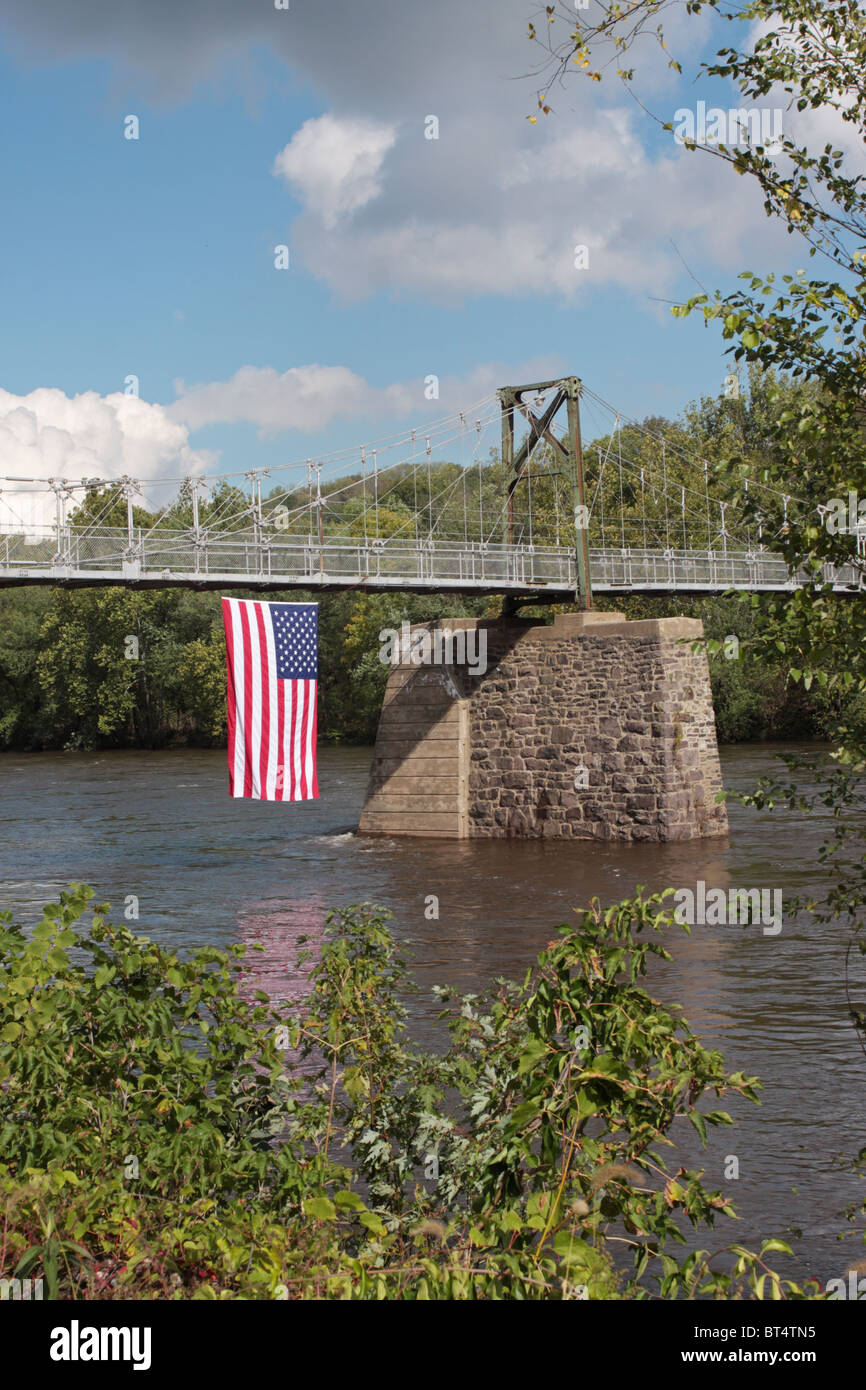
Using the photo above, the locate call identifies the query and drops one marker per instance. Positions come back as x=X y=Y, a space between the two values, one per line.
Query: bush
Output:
x=164 y=1136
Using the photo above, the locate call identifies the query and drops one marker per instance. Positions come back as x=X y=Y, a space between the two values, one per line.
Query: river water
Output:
x=207 y=870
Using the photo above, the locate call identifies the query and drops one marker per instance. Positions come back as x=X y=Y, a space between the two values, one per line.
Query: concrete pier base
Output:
x=591 y=728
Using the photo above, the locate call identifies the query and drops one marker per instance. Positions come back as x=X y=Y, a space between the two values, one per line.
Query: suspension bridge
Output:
x=503 y=497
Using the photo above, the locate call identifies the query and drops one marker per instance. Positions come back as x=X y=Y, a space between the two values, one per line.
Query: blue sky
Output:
x=409 y=257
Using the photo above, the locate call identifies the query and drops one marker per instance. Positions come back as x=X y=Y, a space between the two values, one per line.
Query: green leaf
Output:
x=320 y=1209
x=699 y=1123
x=373 y=1223
x=531 y=1055
x=348 y=1200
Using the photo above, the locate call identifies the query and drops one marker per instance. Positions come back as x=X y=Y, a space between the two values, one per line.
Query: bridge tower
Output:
x=567 y=452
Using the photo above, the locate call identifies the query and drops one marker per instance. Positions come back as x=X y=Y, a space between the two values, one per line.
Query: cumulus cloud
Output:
x=456 y=222
x=309 y=398
x=334 y=164
x=47 y=434
x=304 y=398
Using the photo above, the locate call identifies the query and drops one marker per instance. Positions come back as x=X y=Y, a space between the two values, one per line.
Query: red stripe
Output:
x=266 y=701
x=280 y=792
x=314 y=689
x=231 y=711
x=248 y=701
x=291 y=695
x=305 y=688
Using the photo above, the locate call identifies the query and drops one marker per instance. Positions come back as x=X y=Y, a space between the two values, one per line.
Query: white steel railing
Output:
x=105 y=555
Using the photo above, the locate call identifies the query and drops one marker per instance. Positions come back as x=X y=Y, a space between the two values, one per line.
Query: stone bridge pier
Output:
x=592 y=728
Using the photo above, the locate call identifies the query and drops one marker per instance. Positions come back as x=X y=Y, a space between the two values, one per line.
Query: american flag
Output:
x=271 y=655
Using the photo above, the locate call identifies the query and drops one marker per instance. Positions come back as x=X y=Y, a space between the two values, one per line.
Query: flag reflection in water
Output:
x=284 y=930
x=278 y=927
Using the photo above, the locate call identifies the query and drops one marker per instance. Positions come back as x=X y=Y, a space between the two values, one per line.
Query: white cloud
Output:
x=47 y=434
x=334 y=163
x=309 y=398
x=459 y=222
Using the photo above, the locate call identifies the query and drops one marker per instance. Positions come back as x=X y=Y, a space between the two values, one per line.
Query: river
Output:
x=207 y=870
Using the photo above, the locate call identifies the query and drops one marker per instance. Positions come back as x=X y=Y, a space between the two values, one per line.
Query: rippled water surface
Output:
x=209 y=870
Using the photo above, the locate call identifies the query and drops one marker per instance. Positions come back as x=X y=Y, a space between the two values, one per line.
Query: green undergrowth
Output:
x=165 y=1133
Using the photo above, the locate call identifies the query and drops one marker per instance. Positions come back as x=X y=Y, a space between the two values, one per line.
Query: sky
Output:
x=150 y=324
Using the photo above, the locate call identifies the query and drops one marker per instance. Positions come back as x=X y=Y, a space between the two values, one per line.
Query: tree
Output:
x=22 y=708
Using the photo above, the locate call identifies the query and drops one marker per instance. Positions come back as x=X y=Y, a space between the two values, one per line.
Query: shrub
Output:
x=162 y=1135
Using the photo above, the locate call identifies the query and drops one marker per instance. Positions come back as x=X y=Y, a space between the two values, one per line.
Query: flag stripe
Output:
x=240 y=680
x=255 y=727
x=314 y=740
x=290 y=760
x=270 y=747
x=282 y=696
x=302 y=743
x=265 y=732
x=230 y=689
x=249 y=692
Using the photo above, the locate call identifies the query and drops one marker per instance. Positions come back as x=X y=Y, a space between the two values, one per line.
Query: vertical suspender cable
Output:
x=643 y=506
x=621 y=502
x=429 y=495
x=601 y=496
x=665 y=487
x=480 y=488
x=415 y=483
x=463 y=466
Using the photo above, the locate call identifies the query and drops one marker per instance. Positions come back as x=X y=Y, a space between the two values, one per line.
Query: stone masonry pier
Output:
x=592 y=728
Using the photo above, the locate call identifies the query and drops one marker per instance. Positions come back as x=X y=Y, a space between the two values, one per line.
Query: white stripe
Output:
x=256 y=679
x=269 y=789
x=238 y=667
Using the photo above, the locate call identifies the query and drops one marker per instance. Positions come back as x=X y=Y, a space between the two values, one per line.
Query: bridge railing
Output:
x=107 y=550
x=106 y=553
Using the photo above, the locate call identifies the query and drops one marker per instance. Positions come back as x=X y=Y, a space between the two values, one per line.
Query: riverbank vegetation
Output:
x=166 y=1132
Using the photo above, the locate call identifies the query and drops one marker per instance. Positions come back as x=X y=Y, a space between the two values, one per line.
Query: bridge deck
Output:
x=165 y=559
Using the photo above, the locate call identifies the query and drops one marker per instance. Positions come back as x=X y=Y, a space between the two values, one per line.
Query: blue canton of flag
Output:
x=295 y=634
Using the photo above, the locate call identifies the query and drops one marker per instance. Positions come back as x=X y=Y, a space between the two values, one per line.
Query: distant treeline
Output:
x=67 y=679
